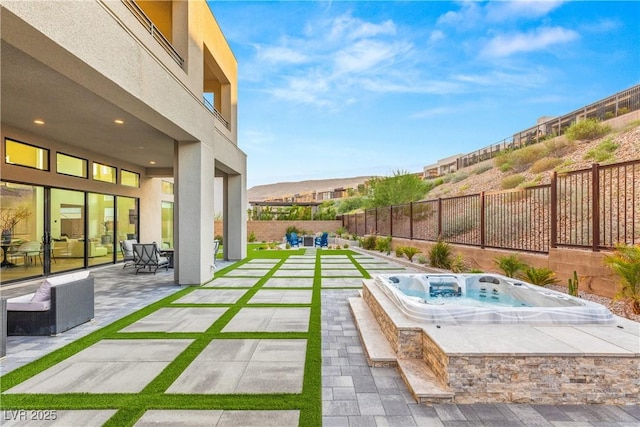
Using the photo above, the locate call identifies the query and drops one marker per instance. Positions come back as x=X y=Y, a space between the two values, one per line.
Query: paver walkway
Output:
x=235 y=355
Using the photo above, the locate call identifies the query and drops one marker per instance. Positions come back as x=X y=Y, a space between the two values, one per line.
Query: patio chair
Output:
x=322 y=241
x=126 y=246
x=147 y=256
x=29 y=251
x=293 y=239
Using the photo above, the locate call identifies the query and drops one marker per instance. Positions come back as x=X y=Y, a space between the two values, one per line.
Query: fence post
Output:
x=554 y=211
x=376 y=221
x=355 y=217
x=410 y=220
x=365 y=221
x=595 y=200
x=439 y=218
x=482 y=219
x=391 y=221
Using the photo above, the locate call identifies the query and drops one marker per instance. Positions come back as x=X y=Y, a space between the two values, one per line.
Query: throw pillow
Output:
x=43 y=293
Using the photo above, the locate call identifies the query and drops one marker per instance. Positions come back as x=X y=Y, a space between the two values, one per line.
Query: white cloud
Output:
x=542 y=38
x=345 y=28
x=366 y=55
x=280 y=55
x=436 y=36
x=509 y=10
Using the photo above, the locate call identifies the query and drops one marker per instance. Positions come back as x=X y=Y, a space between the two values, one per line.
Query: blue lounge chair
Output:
x=322 y=241
x=293 y=239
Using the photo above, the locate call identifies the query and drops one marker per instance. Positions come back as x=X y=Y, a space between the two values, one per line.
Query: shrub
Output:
x=459 y=176
x=522 y=159
x=252 y=237
x=422 y=259
x=383 y=244
x=340 y=231
x=586 y=130
x=510 y=265
x=399 y=251
x=512 y=181
x=346 y=245
x=293 y=229
x=539 y=276
x=558 y=147
x=545 y=164
x=410 y=252
x=625 y=262
x=219 y=238
x=440 y=255
x=604 y=151
x=338 y=246
x=458 y=264
x=369 y=242
x=482 y=169
x=505 y=167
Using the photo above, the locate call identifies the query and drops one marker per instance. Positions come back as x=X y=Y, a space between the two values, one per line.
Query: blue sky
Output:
x=350 y=88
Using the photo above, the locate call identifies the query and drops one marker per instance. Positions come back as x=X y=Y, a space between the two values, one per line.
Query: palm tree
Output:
x=625 y=262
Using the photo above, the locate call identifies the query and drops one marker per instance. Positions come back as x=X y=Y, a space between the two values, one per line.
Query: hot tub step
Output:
x=376 y=347
x=422 y=382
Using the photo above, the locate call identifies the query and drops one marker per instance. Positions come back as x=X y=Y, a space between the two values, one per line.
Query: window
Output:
x=69 y=165
x=167 y=187
x=130 y=179
x=21 y=154
x=167 y=224
x=104 y=173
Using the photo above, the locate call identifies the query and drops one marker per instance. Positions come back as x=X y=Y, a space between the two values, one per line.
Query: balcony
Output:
x=153 y=30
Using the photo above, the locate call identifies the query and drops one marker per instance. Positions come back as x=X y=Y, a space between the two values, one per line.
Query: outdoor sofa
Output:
x=59 y=304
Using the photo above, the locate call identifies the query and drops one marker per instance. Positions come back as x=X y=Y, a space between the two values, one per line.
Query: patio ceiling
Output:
x=74 y=115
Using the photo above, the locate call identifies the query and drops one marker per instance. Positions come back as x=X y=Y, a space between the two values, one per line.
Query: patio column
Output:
x=235 y=215
x=194 y=198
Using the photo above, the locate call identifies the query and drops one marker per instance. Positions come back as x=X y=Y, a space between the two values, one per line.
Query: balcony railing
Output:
x=153 y=30
x=215 y=112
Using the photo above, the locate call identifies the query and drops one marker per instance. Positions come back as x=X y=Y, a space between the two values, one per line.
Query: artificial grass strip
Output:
x=131 y=406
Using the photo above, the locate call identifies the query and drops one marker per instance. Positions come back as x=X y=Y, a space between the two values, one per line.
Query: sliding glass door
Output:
x=23 y=225
x=51 y=230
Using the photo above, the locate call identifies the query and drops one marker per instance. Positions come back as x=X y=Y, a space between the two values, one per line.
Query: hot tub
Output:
x=486 y=298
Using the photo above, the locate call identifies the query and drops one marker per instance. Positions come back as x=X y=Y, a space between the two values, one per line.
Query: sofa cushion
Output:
x=24 y=303
x=43 y=293
x=66 y=278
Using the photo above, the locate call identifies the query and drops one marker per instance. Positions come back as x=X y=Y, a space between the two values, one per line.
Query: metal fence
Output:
x=594 y=208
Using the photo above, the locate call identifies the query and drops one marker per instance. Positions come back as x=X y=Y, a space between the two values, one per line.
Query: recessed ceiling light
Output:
x=152 y=162
x=38 y=122
x=141 y=148
x=118 y=121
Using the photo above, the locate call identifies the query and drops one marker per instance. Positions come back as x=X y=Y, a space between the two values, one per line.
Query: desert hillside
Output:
x=280 y=189
x=621 y=144
x=624 y=144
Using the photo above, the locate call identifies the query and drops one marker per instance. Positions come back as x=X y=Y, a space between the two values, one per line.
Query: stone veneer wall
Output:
x=436 y=359
x=545 y=379
x=516 y=378
x=407 y=343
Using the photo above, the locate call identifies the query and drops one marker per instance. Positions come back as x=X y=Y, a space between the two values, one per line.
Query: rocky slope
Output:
x=574 y=157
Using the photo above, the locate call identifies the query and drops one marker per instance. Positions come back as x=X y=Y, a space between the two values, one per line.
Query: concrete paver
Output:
x=353 y=394
x=177 y=319
x=294 y=319
x=218 y=296
x=295 y=282
x=275 y=296
x=109 y=366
